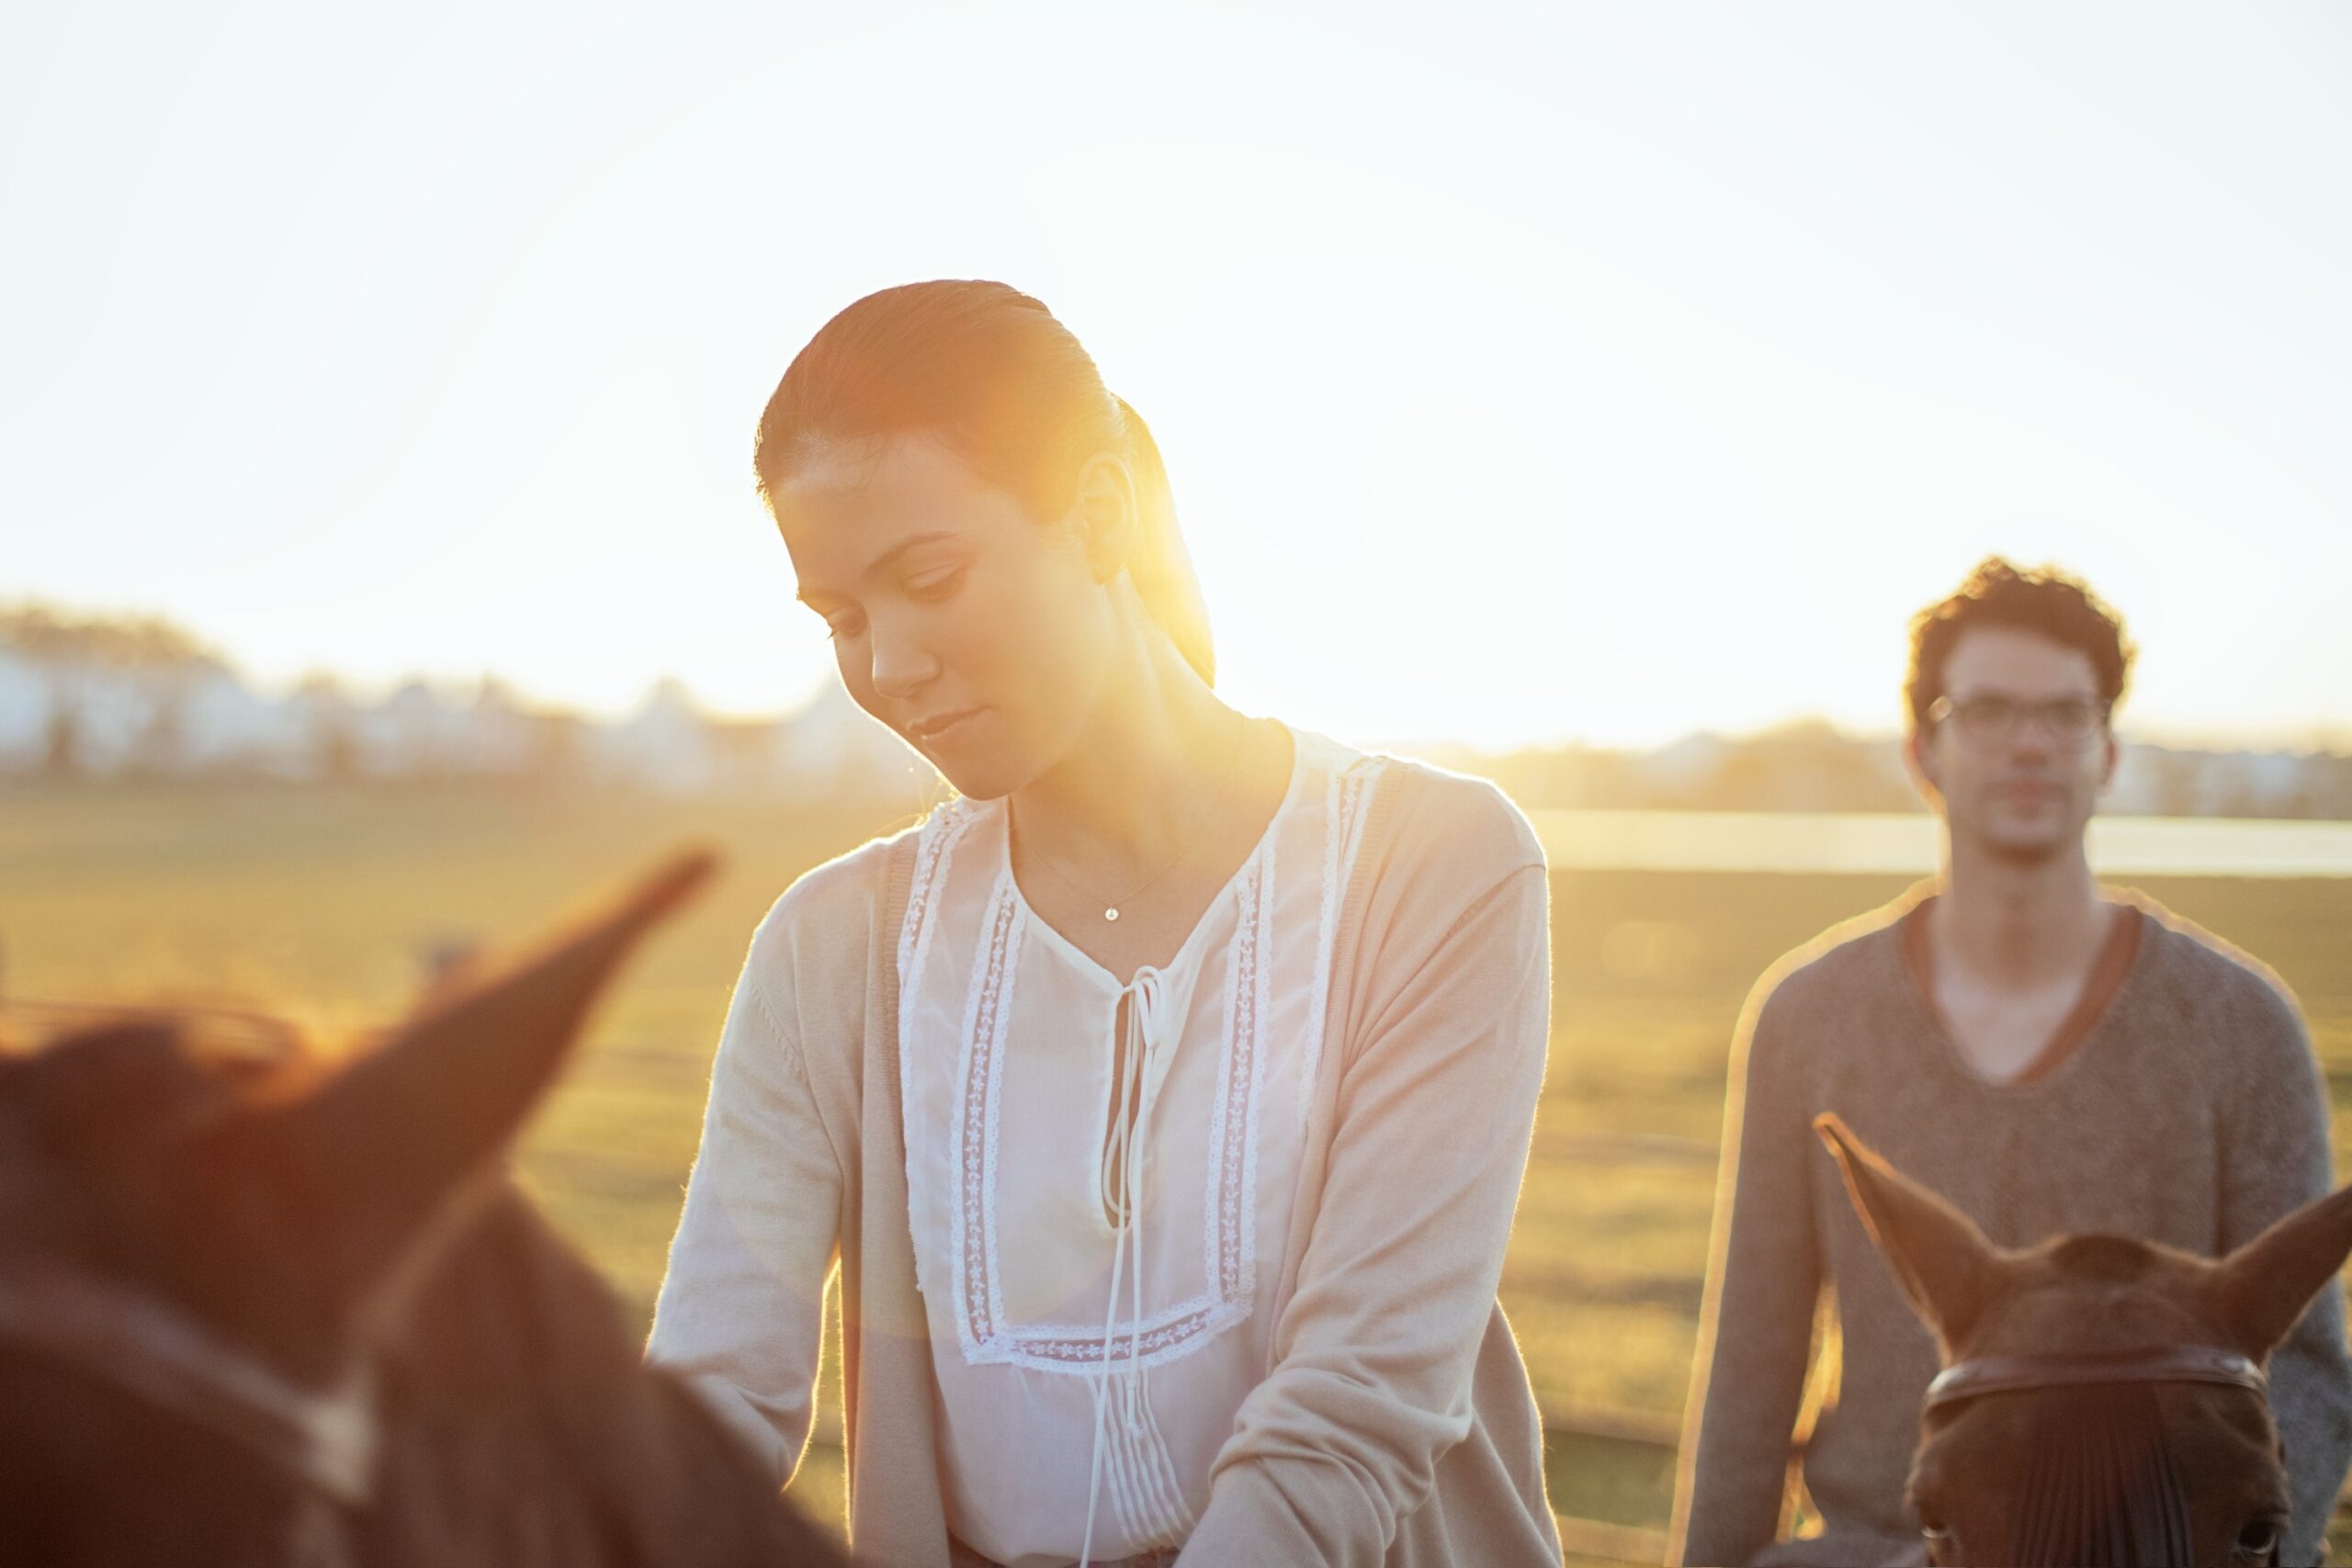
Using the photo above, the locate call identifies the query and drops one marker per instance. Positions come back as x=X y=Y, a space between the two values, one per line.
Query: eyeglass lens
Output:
x=1990 y=718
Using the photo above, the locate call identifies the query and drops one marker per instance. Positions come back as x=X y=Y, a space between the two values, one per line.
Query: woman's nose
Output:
x=901 y=663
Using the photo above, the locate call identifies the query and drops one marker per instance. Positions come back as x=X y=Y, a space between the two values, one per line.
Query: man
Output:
x=2050 y=1056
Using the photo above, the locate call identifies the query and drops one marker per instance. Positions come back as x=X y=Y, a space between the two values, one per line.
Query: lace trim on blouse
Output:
x=1228 y=1203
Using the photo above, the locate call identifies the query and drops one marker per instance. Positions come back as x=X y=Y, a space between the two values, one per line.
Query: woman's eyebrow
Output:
x=889 y=558
x=881 y=563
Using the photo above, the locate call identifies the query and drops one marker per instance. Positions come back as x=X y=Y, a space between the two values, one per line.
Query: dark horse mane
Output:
x=516 y=1421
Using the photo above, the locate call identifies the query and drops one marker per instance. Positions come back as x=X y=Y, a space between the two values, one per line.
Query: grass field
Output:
x=322 y=903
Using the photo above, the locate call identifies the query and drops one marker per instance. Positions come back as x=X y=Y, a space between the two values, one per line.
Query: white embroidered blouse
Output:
x=1095 y=1169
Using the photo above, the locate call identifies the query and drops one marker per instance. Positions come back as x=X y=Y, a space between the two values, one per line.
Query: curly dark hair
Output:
x=2044 y=601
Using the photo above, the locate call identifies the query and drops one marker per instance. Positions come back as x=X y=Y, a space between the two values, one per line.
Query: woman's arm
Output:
x=1374 y=1353
x=741 y=1309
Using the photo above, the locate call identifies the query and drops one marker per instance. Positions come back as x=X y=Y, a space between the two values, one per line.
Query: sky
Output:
x=1592 y=372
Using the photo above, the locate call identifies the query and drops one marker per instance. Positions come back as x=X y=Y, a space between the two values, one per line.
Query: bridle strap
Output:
x=2013 y=1374
x=324 y=1438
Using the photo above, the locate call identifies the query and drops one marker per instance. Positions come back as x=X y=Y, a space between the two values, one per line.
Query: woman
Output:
x=1164 y=1097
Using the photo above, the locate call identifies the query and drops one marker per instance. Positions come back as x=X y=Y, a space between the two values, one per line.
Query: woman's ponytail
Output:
x=1161 y=566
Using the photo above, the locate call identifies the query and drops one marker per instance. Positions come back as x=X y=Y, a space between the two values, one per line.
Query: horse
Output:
x=2102 y=1399
x=292 y=1314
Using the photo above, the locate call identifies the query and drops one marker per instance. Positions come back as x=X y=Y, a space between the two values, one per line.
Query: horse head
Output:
x=266 y=1312
x=2102 y=1400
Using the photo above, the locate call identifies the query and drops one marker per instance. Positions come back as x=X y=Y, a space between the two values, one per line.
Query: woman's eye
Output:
x=843 y=623
x=938 y=585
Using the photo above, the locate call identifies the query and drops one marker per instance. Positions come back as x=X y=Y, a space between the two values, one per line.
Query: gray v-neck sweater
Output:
x=2190 y=1114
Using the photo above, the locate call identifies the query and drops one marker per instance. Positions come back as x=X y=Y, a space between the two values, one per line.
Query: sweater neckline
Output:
x=2115 y=970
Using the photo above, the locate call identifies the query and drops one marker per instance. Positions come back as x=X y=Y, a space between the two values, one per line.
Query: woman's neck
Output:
x=1145 y=774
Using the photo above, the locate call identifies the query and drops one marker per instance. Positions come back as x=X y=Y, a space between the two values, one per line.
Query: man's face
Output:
x=1999 y=759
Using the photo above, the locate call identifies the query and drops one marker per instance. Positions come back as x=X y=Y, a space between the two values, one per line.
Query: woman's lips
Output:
x=943 y=726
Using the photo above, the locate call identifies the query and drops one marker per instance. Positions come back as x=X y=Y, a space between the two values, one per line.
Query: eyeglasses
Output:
x=1990 y=716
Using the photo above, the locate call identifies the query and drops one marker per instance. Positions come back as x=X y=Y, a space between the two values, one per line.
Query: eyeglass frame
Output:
x=2101 y=712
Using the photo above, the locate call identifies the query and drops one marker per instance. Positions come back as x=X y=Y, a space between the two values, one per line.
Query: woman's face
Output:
x=977 y=631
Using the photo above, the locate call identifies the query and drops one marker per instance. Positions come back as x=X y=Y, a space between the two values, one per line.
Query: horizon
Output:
x=1541 y=377
x=461 y=682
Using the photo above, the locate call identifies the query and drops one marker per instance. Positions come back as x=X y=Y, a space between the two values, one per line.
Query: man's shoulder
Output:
x=1831 y=968
x=2203 y=972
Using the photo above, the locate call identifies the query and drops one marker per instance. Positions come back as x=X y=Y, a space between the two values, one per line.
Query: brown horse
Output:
x=290 y=1313
x=2102 y=1400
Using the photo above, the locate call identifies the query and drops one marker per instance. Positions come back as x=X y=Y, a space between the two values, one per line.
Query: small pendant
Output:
x=1110 y=914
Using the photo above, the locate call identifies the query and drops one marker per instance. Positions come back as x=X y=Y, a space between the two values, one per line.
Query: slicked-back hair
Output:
x=2044 y=601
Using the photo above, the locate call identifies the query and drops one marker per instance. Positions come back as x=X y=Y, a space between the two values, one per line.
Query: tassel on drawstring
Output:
x=1141 y=1001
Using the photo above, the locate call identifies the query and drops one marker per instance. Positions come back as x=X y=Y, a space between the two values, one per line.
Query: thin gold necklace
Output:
x=1111 y=909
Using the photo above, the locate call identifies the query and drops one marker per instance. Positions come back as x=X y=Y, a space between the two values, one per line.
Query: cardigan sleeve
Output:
x=742 y=1308
x=1374 y=1353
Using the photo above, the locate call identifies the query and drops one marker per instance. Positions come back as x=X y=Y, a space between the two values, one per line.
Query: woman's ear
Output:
x=1106 y=515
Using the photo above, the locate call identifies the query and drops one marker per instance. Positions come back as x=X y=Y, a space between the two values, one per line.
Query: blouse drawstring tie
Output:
x=1144 y=1001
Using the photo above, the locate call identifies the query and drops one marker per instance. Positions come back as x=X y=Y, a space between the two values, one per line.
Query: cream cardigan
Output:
x=1395 y=1424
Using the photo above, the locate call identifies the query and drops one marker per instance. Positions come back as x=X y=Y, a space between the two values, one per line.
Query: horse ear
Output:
x=2261 y=1290
x=1942 y=1261
x=365 y=1164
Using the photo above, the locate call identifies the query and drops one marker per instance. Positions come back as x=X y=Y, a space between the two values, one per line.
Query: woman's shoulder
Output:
x=1426 y=843
x=838 y=904
x=1419 y=804
x=1423 y=813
